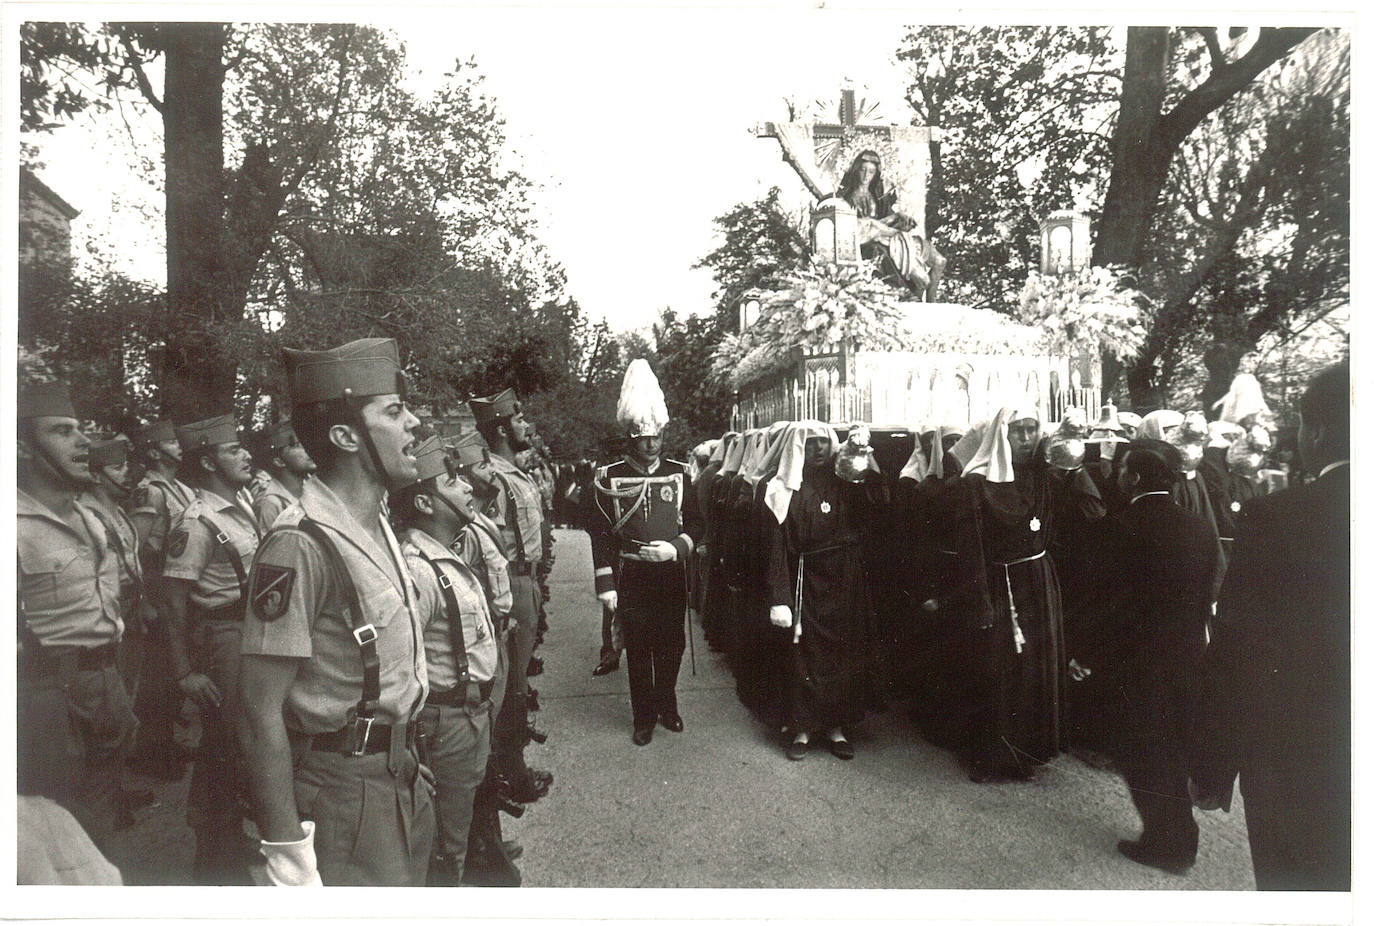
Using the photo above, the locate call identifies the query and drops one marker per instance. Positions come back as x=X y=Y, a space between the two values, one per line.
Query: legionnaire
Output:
x=110 y=469
x=279 y=454
x=478 y=545
x=333 y=669
x=109 y=461
x=75 y=720
x=209 y=549
x=461 y=652
x=158 y=499
x=514 y=503
x=643 y=529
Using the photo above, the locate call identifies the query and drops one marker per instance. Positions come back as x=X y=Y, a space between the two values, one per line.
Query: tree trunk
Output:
x=196 y=381
x=1140 y=163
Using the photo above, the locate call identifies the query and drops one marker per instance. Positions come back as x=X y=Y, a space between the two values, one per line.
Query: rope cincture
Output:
x=1017 y=636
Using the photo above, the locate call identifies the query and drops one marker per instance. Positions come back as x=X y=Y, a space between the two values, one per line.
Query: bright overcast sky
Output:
x=635 y=123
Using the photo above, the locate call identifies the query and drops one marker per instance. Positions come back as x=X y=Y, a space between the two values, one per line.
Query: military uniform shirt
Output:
x=479 y=634
x=513 y=483
x=274 y=499
x=164 y=499
x=296 y=608
x=194 y=554
x=129 y=569
x=68 y=581
x=479 y=547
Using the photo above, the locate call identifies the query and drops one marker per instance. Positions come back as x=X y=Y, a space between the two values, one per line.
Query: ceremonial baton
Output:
x=687 y=611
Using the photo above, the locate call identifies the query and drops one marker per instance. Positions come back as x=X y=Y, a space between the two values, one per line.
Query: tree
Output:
x=1252 y=231
x=1025 y=110
x=699 y=406
x=760 y=240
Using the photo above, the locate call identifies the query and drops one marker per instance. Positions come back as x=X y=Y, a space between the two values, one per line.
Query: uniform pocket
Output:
x=46 y=577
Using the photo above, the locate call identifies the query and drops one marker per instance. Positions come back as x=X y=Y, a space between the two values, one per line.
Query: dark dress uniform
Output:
x=652 y=597
x=1276 y=684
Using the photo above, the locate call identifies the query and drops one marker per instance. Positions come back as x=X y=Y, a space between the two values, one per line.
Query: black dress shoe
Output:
x=797 y=750
x=1142 y=854
x=536 y=734
x=643 y=735
x=671 y=722
x=536 y=666
x=531 y=787
x=842 y=749
x=607 y=665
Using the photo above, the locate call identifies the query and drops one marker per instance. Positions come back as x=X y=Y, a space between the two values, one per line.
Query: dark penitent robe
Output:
x=815 y=565
x=1014 y=615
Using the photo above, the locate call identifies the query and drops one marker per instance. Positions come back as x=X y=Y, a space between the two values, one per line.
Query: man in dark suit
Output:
x=1158 y=636
x=1276 y=706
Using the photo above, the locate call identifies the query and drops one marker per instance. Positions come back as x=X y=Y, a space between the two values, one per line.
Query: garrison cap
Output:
x=470 y=449
x=279 y=436
x=111 y=452
x=431 y=459
x=221 y=429
x=45 y=400
x=156 y=433
x=365 y=367
x=501 y=405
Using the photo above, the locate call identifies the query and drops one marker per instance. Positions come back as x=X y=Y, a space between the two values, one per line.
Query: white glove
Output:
x=780 y=615
x=292 y=864
x=609 y=600
x=660 y=551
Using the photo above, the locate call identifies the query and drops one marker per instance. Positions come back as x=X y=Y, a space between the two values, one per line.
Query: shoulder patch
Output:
x=271 y=591
x=140 y=498
x=176 y=544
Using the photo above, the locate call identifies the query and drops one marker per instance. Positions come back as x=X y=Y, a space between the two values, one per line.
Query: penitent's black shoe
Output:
x=607 y=665
x=671 y=721
x=643 y=735
x=1144 y=855
x=536 y=666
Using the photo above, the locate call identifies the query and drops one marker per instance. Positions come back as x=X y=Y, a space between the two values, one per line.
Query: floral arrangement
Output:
x=825 y=305
x=1091 y=309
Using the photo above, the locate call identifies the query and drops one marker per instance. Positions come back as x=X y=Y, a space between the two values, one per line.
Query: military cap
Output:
x=279 y=436
x=365 y=367
x=222 y=429
x=45 y=400
x=502 y=405
x=431 y=459
x=156 y=433
x=470 y=449
x=108 y=453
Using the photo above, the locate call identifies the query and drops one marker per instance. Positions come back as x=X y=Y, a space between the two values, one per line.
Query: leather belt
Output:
x=52 y=659
x=457 y=696
x=233 y=611
x=522 y=568
x=364 y=738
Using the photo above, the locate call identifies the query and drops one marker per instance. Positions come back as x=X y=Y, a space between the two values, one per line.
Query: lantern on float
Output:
x=1065 y=245
x=835 y=232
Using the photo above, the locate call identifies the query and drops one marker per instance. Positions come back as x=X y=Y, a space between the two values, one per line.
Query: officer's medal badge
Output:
x=666 y=493
x=271 y=591
x=176 y=544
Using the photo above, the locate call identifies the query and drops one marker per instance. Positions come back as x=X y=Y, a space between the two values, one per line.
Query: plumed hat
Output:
x=641 y=410
x=1245 y=399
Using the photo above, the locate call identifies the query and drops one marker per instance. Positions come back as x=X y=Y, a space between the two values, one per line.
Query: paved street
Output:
x=719 y=806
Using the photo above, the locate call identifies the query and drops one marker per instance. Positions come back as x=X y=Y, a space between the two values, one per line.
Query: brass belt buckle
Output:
x=361 y=730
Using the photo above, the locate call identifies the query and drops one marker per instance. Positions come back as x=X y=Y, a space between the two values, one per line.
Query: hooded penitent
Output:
x=770 y=451
x=1189 y=440
x=778 y=495
x=1157 y=424
x=992 y=459
x=641 y=410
